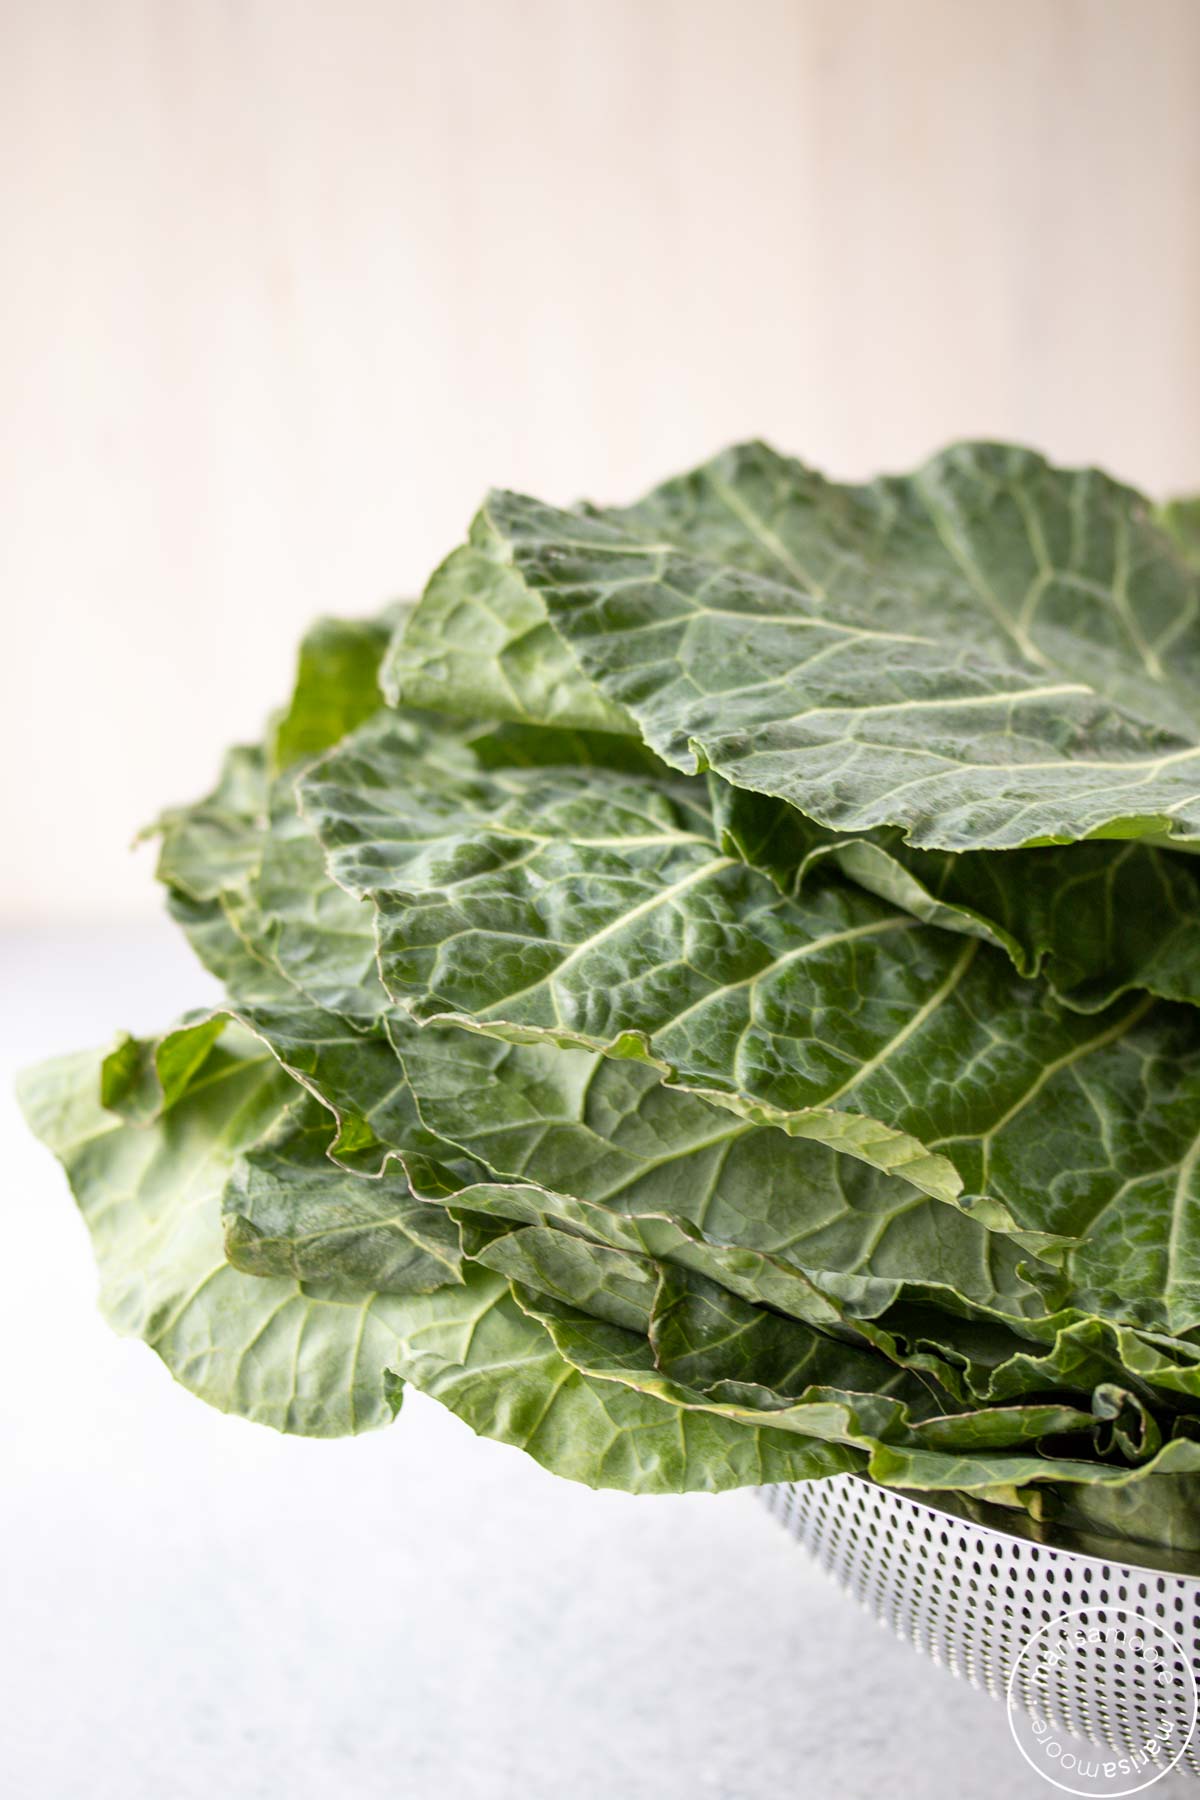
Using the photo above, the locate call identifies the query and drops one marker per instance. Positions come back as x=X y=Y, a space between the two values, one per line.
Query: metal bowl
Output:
x=973 y=1596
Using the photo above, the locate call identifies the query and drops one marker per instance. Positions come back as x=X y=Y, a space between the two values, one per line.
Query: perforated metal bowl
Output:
x=971 y=1596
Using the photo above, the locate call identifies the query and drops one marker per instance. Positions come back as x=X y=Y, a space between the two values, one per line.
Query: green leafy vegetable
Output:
x=989 y=653
x=711 y=996
x=594 y=910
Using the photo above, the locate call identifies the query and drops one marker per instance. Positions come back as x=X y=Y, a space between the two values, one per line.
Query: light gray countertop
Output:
x=196 y=1608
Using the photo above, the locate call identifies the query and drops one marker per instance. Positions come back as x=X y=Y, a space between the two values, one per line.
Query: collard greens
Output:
x=711 y=996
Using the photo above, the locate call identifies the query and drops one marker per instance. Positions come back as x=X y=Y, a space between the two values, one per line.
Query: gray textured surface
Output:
x=193 y=1607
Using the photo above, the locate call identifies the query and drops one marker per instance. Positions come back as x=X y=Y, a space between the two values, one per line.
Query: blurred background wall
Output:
x=287 y=285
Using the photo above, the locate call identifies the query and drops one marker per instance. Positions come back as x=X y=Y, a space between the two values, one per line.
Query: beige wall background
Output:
x=286 y=286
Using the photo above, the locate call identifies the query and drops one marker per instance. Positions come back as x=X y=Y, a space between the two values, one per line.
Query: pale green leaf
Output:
x=301 y=1358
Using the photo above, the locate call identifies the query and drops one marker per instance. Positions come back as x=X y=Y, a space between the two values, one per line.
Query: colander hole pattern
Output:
x=971 y=1598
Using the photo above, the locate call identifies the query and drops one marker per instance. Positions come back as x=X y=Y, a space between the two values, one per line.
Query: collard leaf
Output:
x=1096 y=920
x=322 y=1359
x=357 y=1078
x=1161 y=1508
x=300 y=922
x=705 y=1337
x=1066 y=1352
x=213 y=844
x=495 y=1365
x=336 y=685
x=273 y=927
x=480 y=645
x=301 y=1358
x=290 y=1210
x=698 y=1185
x=890 y=1411
x=608 y=1284
x=603 y=913
x=141 y=1079
x=514 y=1226
x=1100 y=919
x=297 y=956
x=244 y=878
x=736 y=1043
x=989 y=653
x=1181 y=520
x=1005 y=1472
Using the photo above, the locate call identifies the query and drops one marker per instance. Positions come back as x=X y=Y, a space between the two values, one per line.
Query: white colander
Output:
x=972 y=1596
